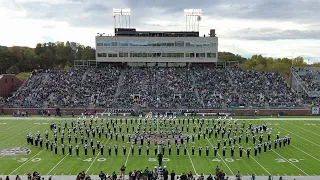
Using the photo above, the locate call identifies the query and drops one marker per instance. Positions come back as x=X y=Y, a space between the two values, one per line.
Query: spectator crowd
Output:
x=310 y=78
x=155 y=87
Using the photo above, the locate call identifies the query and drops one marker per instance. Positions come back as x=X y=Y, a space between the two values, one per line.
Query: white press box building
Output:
x=150 y=48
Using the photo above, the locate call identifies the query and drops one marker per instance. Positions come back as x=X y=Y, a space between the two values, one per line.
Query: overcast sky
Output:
x=276 y=28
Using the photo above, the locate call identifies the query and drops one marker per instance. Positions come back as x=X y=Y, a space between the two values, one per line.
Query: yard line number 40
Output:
x=26 y=159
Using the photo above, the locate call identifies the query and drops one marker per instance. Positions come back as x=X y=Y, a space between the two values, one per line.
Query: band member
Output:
x=40 y=141
x=232 y=151
x=70 y=149
x=132 y=149
x=240 y=150
x=109 y=150
x=124 y=149
x=140 y=147
x=148 y=149
x=85 y=150
x=255 y=150
x=116 y=149
x=200 y=149
x=248 y=152
x=93 y=150
x=178 y=149
x=155 y=150
x=218 y=144
x=77 y=150
x=224 y=151
x=207 y=150
x=101 y=149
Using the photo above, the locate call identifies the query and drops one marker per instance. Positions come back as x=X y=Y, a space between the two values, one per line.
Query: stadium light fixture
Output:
x=193 y=12
x=121 y=14
x=193 y=17
x=100 y=34
x=121 y=11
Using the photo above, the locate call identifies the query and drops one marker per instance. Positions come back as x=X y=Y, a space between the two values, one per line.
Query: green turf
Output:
x=300 y=158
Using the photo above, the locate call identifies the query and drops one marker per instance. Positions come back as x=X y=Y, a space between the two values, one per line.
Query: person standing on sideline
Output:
x=238 y=176
x=123 y=171
x=173 y=175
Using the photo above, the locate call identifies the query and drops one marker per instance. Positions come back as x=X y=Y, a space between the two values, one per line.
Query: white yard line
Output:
x=218 y=154
x=25 y=162
x=96 y=156
x=221 y=158
x=290 y=162
x=6 y=130
x=261 y=166
x=194 y=168
x=28 y=129
x=258 y=163
x=305 y=152
x=125 y=164
x=58 y=163
x=298 y=136
x=302 y=128
x=195 y=171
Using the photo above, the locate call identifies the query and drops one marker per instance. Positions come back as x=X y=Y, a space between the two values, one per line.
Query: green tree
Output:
x=316 y=64
x=13 y=70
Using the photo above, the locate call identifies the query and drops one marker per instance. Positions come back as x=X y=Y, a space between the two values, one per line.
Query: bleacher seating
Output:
x=311 y=78
x=156 y=87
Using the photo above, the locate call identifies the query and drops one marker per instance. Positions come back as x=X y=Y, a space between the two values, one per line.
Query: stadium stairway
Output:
x=196 y=91
x=120 y=83
x=230 y=79
x=96 y=177
x=46 y=78
x=84 y=76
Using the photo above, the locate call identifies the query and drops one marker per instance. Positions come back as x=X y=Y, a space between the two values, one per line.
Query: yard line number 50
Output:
x=291 y=160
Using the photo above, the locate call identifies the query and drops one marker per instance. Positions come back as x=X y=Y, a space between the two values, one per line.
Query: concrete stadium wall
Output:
x=237 y=112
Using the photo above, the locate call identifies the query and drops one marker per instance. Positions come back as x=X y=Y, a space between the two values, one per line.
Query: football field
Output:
x=301 y=157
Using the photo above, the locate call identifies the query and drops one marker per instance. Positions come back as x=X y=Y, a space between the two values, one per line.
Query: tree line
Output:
x=261 y=63
x=50 y=55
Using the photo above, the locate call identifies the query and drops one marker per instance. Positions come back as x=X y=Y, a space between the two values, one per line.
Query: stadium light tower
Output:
x=121 y=14
x=193 y=17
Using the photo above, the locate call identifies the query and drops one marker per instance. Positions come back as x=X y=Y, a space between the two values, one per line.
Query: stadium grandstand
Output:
x=160 y=70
